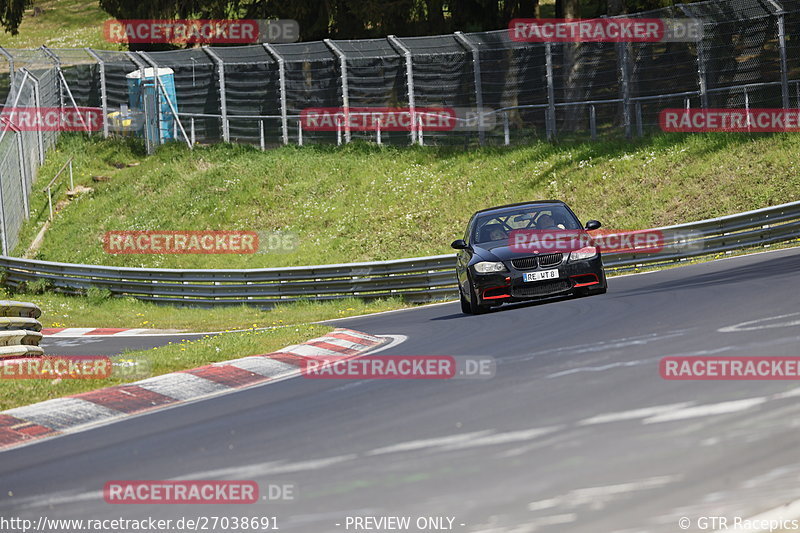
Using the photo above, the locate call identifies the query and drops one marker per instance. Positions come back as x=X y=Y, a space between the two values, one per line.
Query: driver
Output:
x=546 y=222
x=497 y=234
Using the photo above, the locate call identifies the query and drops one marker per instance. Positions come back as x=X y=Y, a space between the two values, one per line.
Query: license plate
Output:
x=541 y=275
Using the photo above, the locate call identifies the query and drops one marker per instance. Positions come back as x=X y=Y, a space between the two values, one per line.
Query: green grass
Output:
x=59 y=311
x=363 y=202
x=171 y=358
x=61 y=24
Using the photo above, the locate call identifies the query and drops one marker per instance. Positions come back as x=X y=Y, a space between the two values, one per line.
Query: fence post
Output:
x=299 y=133
x=593 y=122
x=10 y=60
x=622 y=54
x=550 y=119
x=3 y=229
x=57 y=63
x=345 y=87
x=223 y=100
x=779 y=16
x=639 y=125
x=282 y=88
x=103 y=92
x=412 y=107
x=38 y=102
x=476 y=72
x=24 y=175
x=506 y=131
x=701 y=59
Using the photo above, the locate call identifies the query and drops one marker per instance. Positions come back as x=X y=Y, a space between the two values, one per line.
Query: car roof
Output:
x=538 y=203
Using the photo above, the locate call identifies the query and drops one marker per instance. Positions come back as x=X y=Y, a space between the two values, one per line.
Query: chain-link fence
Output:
x=749 y=57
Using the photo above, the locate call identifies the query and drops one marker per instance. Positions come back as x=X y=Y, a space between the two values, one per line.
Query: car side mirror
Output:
x=593 y=224
x=459 y=244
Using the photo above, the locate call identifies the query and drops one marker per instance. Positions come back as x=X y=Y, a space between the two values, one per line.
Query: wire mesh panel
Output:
x=251 y=91
x=741 y=47
x=443 y=77
x=513 y=84
x=116 y=66
x=376 y=76
x=196 y=89
x=792 y=26
x=313 y=79
x=80 y=71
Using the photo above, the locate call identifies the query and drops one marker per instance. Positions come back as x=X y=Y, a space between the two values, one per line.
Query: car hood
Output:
x=501 y=251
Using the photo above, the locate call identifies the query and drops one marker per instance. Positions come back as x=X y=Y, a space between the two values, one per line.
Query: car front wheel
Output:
x=474 y=307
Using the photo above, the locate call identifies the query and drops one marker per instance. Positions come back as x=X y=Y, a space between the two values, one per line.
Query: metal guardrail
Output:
x=414 y=279
x=19 y=330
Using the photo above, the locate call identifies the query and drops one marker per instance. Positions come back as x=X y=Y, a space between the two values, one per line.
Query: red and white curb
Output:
x=50 y=418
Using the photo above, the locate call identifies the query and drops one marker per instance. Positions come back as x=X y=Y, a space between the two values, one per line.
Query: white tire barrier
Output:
x=20 y=330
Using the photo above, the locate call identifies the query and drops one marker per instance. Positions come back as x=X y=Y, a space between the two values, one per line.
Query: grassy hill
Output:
x=61 y=24
x=363 y=202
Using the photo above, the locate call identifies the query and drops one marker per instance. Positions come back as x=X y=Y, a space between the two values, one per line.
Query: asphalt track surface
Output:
x=528 y=450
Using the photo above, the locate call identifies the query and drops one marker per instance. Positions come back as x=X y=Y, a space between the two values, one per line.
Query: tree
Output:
x=11 y=12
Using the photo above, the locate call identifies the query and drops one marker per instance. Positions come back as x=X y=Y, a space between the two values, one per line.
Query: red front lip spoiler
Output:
x=586 y=283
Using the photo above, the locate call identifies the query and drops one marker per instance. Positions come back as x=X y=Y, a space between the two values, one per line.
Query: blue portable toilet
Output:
x=138 y=86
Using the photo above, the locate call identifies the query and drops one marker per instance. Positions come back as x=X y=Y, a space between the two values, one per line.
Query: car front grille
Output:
x=550 y=260
x=541 y=289
x=525 y=263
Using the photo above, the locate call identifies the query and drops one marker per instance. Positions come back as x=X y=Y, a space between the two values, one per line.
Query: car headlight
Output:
x=584 y=253
x=485 y=267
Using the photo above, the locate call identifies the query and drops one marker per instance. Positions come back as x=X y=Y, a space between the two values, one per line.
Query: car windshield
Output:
x=496 y=227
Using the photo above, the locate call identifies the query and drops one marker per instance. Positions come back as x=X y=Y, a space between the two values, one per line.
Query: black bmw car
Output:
x=526 y=251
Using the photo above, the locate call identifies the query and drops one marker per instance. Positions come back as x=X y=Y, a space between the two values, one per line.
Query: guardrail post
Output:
x=103 y=91
x=345 y=87
x=282 y=88
x=476 y=72
x=223 y=100
x=550 y=119
x=412 y=108
x=622 y=55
